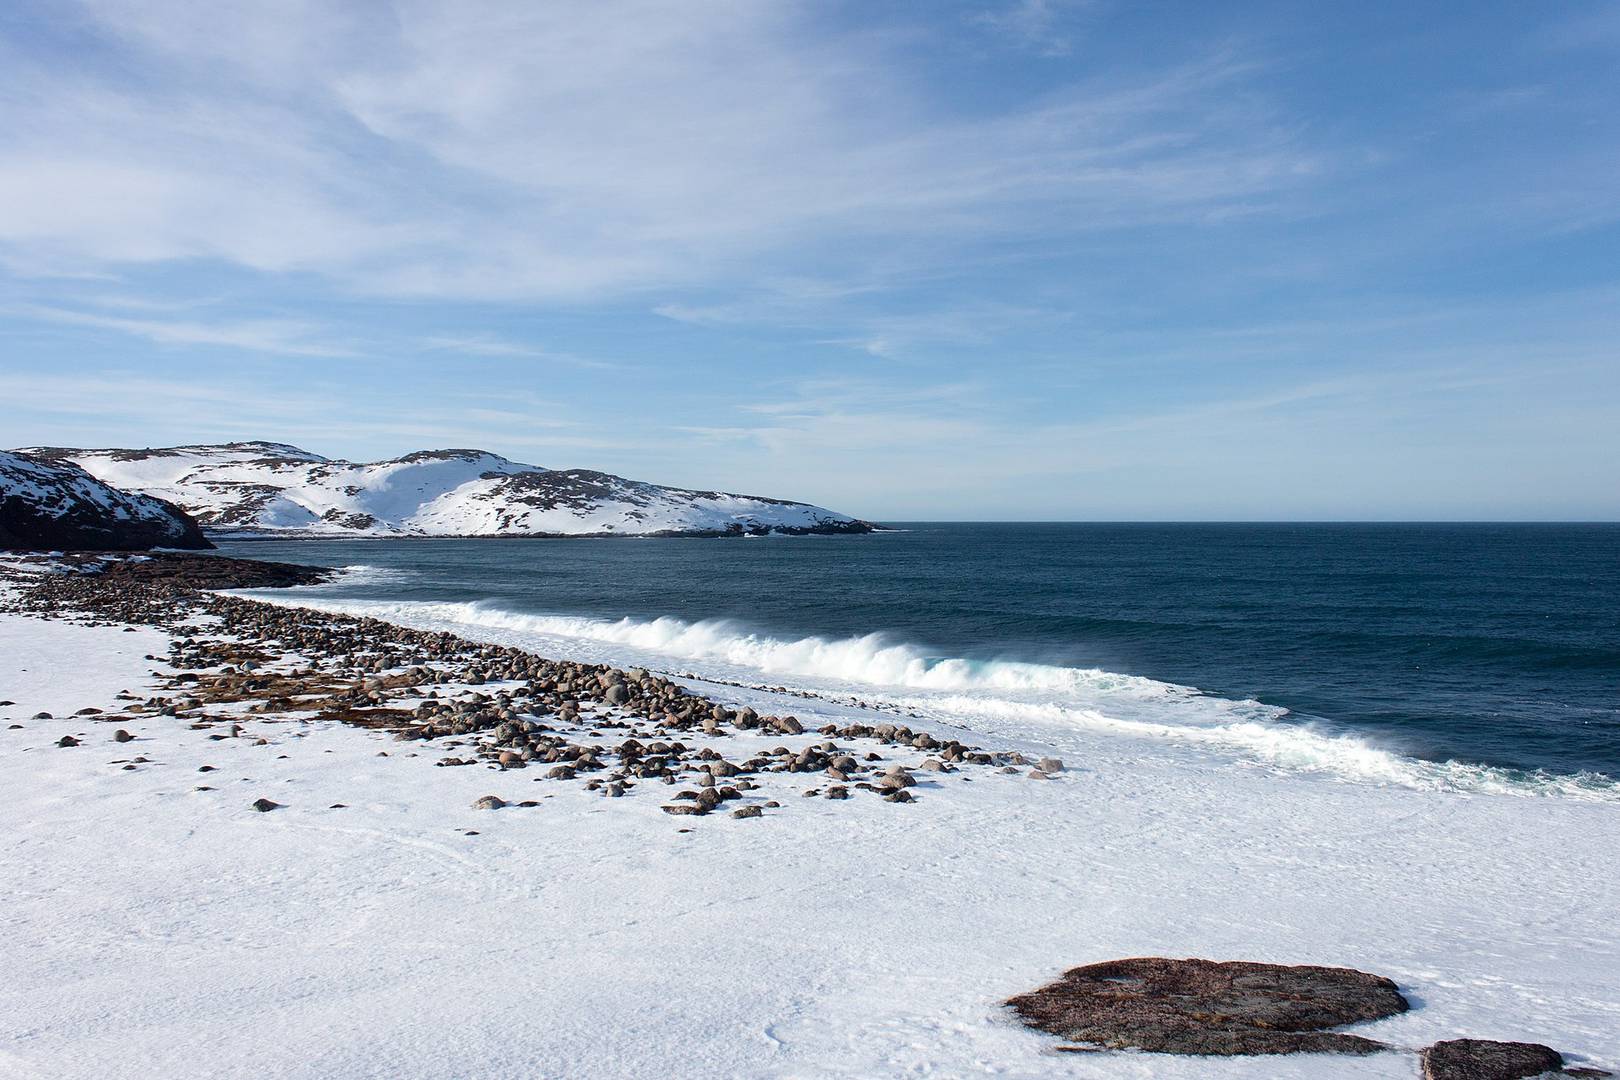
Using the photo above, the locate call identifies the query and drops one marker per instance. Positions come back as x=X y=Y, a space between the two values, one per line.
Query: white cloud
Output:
x=127 y=408
x=571 y=149
x=1406 y=441
x=489 y=345
x=1036 y=25
x=284 y=337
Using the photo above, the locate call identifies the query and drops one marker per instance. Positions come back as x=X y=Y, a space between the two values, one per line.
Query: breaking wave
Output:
x=1009 y=698
x=357 y=574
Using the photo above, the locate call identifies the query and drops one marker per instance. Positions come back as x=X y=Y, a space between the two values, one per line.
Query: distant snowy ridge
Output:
x=56 y=505
x=263 y=488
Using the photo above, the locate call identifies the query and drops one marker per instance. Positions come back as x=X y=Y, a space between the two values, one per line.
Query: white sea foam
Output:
x=366 y=574
x=1048 y=703
x=870 y=659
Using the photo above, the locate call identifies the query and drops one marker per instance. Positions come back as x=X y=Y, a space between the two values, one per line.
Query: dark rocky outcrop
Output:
x=1204 y=1007
x=57 y=506
x=203 y=572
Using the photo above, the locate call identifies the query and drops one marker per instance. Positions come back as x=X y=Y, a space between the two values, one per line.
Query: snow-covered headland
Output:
x=272 y=489
x=374 y=923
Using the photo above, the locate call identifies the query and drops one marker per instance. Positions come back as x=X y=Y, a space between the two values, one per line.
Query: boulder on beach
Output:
x=1205 y=1007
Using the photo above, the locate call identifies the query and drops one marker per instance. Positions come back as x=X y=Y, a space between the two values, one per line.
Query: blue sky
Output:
x=1041 y=260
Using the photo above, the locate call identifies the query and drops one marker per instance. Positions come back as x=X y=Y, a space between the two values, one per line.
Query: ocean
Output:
x=1440 y=655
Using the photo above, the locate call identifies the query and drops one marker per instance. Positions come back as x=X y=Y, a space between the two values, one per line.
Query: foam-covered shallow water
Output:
x=1460 y=657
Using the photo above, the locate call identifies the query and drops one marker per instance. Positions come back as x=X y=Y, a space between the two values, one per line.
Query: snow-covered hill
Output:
x=55 y=505
x=272 y=488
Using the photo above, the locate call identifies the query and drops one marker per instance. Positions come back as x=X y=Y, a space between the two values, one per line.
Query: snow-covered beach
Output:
x=597 y=539
x=156 y=924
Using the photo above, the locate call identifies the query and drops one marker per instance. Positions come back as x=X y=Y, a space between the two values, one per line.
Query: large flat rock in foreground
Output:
x=1204 y=1007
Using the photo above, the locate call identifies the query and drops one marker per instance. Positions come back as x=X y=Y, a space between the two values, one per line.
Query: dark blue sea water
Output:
x=1489 y=644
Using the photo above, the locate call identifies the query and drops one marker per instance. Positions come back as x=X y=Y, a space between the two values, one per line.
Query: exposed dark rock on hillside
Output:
x=57 y=506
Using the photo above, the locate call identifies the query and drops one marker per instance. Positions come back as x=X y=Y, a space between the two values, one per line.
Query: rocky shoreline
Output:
x=505 y=709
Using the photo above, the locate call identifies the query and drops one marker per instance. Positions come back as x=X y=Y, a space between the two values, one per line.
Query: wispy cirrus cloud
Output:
x=81 y=407
x=888 y=334
x=280 y=337
x=572 y=150
x=1036 y=25
x=489 y=345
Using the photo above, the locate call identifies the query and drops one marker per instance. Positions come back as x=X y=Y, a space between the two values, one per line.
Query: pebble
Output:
x=264 y=806
x=747 y=811
x=67 y=740
x=122 y=736
x=489 y=802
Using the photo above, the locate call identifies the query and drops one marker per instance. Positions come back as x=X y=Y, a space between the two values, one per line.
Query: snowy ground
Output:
x=151 y=929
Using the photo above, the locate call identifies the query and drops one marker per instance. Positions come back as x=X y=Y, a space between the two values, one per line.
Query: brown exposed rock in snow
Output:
x=1204 y=1007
